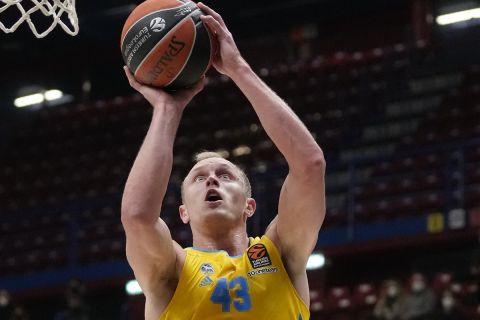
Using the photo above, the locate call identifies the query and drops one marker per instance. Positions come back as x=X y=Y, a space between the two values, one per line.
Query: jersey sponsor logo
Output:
x=206 y=269
x=258 y=256
x=262 y=271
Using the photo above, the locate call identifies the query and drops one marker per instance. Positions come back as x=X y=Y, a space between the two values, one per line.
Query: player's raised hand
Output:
x=159 y=97
x=228 y=59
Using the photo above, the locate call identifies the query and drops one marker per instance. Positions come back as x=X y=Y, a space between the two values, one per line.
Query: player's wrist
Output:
x=239 y=67
x=167 y=111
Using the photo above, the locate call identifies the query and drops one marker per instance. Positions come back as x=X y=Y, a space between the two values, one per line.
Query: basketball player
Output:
x=225 y=275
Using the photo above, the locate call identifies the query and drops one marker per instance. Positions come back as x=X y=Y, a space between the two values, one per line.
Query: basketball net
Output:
x=49 y=8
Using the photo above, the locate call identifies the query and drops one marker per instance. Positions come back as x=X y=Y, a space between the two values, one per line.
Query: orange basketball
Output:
x=165 y=44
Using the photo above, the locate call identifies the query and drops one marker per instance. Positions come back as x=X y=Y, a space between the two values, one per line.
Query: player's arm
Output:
x=302 y=199
x=150 y=249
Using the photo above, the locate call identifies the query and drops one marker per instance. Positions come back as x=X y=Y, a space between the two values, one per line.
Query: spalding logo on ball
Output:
x=165 y=44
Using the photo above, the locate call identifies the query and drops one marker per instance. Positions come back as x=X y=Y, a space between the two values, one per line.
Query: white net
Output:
x=54 y=9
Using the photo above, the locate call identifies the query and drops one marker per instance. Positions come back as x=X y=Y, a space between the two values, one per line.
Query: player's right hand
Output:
x=160 y=98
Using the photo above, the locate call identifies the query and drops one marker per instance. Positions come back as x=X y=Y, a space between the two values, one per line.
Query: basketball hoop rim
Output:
x=49 y=8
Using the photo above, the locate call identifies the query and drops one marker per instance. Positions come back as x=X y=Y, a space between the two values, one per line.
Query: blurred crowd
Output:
x=10 y=311
x=420 y=300
x=75 y=307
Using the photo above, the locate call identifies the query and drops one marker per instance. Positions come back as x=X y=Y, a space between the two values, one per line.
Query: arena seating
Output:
x=400 y=134
x=388 y=135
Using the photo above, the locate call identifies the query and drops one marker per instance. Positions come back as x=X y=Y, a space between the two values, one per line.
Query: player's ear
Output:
x=184 y=214
x=250 y=207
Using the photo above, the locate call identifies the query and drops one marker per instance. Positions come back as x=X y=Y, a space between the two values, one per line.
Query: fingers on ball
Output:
x=212 y=12
x=133 y=83
x=214 y=25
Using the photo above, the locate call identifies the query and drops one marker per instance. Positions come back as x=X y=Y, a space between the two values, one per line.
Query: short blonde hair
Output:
x=210 y=154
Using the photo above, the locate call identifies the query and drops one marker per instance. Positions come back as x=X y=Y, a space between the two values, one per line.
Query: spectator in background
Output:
x=473 y=278
x=76 y=307
x=389 y=305
x=130 y=309
x=420 y=301
x=19 y=313
x=6 y=307
x=8 y=311
x=467 y=286
x=448 y=308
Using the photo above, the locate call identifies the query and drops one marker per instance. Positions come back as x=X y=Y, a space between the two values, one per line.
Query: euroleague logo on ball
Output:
x=157 y=24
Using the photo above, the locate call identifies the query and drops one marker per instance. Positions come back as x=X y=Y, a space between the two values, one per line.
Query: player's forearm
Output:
x=285 y=129
x=148 y=179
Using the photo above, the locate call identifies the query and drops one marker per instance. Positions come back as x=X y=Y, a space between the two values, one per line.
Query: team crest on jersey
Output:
x=258 y=256
x=207 y=269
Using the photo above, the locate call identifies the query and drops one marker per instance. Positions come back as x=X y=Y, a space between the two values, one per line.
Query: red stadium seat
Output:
x=339 y=298
x=365 y=295
x=441 y=281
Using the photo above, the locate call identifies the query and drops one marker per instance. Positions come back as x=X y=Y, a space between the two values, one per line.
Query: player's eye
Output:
x=199 y=179
x=225 y=176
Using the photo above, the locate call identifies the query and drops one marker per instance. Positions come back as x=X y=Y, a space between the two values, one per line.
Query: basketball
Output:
x=165 y=44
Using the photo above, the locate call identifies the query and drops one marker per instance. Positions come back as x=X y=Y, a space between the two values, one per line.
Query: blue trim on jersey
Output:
x=213 y=251
x=206 y=250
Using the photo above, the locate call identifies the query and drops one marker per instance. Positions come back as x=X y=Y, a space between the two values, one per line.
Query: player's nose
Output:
x=211 y=180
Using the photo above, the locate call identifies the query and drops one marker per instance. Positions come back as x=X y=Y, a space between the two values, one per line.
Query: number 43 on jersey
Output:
x=239 y=287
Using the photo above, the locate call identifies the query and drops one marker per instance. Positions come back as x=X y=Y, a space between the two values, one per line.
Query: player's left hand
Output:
x=228 y=59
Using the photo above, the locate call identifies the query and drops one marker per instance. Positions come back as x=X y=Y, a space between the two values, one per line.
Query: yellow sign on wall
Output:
x=435 y=222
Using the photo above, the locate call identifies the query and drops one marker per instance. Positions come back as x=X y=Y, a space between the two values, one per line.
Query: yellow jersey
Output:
x=254 y=286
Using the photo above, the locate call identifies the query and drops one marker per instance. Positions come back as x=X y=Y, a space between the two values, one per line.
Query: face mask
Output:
x=474 y=270
x=392 y=291
x=447 y=303
x=418 y=286
x=4 y=301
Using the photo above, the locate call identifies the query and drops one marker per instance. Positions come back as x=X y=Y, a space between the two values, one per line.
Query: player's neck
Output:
x=234 y=242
